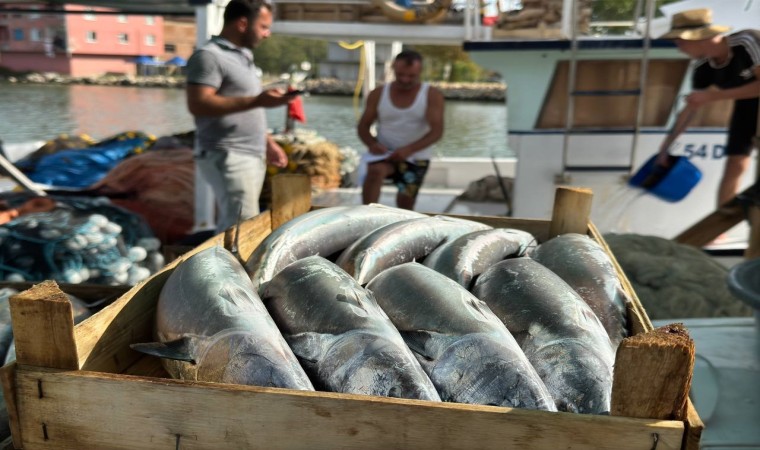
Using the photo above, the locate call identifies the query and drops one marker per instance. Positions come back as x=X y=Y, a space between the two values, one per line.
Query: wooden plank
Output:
x=147 y=413
x=85 y=291
x=694 y=427
x=8 y=376
x=753 y=246
x=572 y=208
x=638 y=320
x=291 y=197
x=711 y=226
x=653 y=373
x=43 y=327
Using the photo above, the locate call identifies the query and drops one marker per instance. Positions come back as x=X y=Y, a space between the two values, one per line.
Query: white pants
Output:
x=237 y=180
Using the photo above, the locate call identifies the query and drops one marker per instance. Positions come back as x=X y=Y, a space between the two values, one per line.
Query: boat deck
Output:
x=725 y=381
x=429 y=200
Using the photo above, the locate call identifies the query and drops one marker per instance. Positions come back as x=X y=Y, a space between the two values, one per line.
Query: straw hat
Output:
x=693 y=25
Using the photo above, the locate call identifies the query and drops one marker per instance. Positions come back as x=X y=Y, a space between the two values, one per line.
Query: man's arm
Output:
x=434 y=116
x=276 y=156
x=682 y=122
x=203 y=100
x=749 y=90
x=365 y=123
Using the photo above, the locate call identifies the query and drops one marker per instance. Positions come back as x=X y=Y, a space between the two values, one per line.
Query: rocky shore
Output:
x=453 y=91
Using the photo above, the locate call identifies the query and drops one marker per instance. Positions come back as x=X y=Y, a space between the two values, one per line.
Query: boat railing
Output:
x=457 y=20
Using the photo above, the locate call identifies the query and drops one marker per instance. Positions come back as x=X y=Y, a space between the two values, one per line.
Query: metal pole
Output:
x=571 y=76
x=643 y=75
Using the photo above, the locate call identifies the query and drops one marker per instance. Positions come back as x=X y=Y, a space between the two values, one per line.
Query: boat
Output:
x=553 y=81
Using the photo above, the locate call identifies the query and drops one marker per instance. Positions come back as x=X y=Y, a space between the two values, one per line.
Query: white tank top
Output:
x=397 y=127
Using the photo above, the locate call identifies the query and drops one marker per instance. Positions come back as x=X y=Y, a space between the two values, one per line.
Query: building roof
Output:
x=164 y=7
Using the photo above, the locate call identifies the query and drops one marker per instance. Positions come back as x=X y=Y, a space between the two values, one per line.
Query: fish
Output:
x=322 y=232
x=401 y=242
x=583 y=264
x=343 y=339
x=465 y=349
x=212 y=326
x=559 y=333
x=466 y=257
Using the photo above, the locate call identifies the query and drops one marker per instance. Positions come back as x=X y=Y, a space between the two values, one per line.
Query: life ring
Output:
x=432 y=11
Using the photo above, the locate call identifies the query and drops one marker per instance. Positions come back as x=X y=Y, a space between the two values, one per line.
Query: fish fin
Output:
x=310 y=346
x=417 y=341
x=179 y=349
x=353 y=298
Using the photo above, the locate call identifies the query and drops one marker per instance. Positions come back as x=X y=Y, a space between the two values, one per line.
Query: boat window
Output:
x=606 y=96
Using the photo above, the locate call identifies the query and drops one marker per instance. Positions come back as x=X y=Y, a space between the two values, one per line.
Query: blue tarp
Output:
x=146 y=60
x=176 y=61
x=80 y=168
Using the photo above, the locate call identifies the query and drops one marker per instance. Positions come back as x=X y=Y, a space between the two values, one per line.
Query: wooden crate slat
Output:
x=43 y=327
x=148 y=413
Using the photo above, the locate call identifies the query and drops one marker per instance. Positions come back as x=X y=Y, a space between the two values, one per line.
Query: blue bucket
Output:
x=670 y=183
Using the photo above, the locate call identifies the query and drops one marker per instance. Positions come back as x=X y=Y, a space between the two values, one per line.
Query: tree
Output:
x=278 y=54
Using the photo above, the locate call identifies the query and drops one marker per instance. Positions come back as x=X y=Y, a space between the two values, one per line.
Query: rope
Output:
x=360 y=77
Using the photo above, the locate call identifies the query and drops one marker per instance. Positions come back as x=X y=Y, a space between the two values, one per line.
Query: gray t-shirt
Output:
x=230 y=70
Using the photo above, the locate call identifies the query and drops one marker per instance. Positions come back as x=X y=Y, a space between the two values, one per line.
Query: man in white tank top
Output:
x=409 y=116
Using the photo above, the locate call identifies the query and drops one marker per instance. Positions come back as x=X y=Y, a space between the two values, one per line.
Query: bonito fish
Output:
x=556 y=329
x=341 y=336
x=320 y=232
x=466 y=257
x=401 y=242
x=212 y=326
x=461 y=344
x=586 y=267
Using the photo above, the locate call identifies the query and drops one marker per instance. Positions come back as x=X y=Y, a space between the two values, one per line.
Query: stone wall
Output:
x=451 y=91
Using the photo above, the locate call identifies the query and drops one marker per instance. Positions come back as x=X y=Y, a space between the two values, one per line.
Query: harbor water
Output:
x=32 y=112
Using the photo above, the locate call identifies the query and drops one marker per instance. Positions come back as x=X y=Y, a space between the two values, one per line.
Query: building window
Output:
x=91 y=36
x=35 y=15
x=35 y=35
x=88 y=15
x=150 y=40
x=150 y=20
x=18 y=34
x=121 y=18
x=170 y=48
x=123 y=38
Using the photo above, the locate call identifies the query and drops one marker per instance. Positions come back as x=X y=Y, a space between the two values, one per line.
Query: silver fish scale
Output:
x=583 y=264
x=466 y=257
x=209 y=300
x=401 y=242
x=322 y=232
x=562 y=338
x=339 y=333
x=468 y=353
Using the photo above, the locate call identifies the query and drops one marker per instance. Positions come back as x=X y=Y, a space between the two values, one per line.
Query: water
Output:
x=42 y=112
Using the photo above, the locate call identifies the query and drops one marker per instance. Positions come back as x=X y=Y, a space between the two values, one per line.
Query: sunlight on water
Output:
x=611 y=213
x=42 y=112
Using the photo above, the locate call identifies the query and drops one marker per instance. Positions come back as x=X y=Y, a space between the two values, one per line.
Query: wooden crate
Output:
x=83 y=387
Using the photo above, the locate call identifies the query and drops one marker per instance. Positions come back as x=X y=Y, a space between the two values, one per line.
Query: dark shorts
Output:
x=743 y=127
x=408 y=176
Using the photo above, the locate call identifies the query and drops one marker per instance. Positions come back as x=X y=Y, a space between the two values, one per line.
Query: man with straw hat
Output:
x=730 y=63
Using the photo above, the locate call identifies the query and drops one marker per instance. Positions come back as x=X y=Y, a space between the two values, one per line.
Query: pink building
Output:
x=74 y=40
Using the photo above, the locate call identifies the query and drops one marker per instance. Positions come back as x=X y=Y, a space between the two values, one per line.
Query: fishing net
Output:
x=81 y=240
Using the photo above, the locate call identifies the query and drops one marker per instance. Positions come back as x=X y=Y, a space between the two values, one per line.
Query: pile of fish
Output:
x=382 y=301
